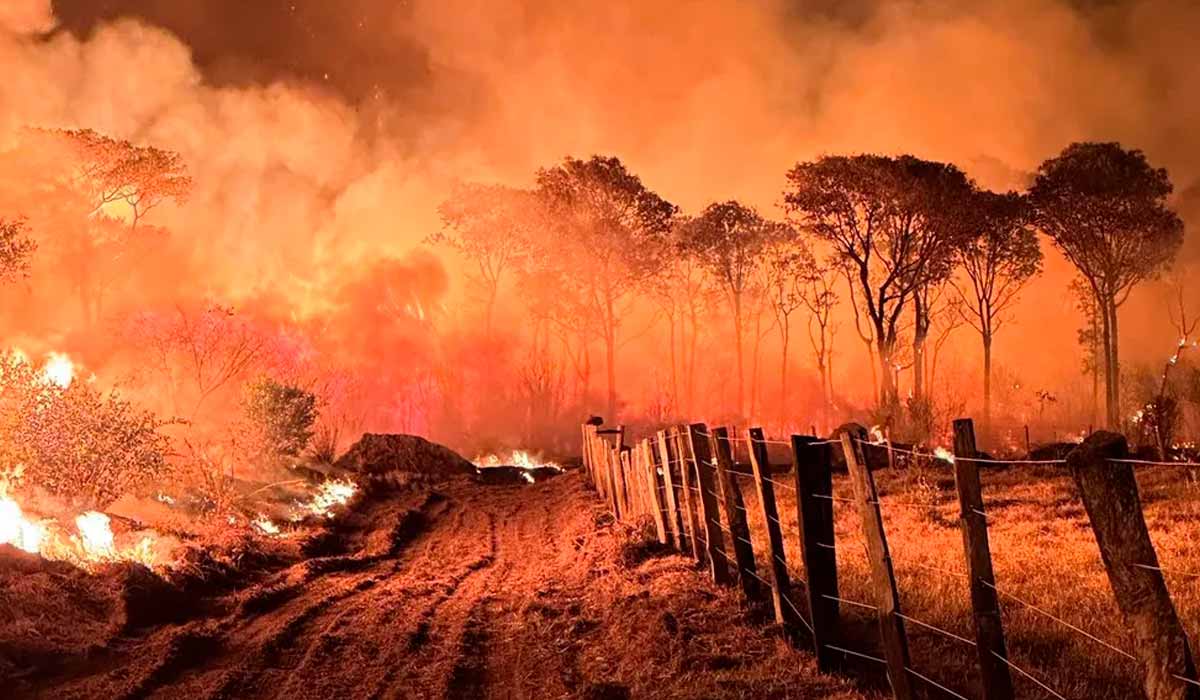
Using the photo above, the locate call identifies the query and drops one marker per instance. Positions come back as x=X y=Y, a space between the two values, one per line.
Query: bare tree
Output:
x=1106 y=209
x=610 y=223
x=788 y=268
x=729 y=239
x=995 y=266
x=491 y=226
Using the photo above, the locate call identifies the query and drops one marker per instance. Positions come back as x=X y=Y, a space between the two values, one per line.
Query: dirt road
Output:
x=465 y=592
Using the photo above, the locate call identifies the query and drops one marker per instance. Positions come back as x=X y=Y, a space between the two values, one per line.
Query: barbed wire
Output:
x=1059 y=620
x=1028 y=675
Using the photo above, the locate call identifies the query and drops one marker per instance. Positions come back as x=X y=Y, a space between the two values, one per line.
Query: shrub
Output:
x=282 y=415
x=75 y=441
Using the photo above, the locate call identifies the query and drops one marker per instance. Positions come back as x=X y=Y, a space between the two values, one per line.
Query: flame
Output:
x=877 y=436
x=16 y=530
x=264 y=525
x=95 y=534
x=59 y=370
x=329 y=495
x=943 y=454
x=517 y=458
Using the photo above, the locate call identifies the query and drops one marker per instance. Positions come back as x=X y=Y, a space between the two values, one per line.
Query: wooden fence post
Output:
x=813 y=467
x=781 y=583
x=627 y=504
x=688 y=482
x=735 y=515
x=883 y=579
x=586 y=430
x=674 y=516
x=710 y=513
x=614 y=475
x=1110 y=495
x=657 y=497
x=985 y=604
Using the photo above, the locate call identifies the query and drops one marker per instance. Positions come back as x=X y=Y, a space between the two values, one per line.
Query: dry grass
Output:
x=1044 y=553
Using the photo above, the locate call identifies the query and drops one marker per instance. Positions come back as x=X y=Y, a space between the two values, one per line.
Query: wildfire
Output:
x=265 y=526
x=92 y=542
x=943 y=454
x=877 y=436
x=330 y=495
x=59 y=370
x=517 y=458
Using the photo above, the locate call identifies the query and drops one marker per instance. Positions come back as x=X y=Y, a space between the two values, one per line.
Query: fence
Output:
x=686 y=481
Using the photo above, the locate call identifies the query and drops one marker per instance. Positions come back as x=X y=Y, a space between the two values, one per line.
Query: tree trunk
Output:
x=1115 y=381
x=737 y=339
x=887 y=384
x=674 y=369
x=691 y=370
x=987 y=384
x=783 y=365
x=920 y=332
x=754 y=356
x=1106 y=340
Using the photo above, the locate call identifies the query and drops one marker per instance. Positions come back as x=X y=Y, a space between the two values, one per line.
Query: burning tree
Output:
x=611 y=231
x=1106 y=209
x=491 y=226
x=894 y=224
x=16 y=249
x=729 y=239
x=281 y=416
x=789 y=272
x=996 y=265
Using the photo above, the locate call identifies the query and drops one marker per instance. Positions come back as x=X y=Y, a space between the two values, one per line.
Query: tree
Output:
x=610 y=225
x=16 y=249
x=995 y=266
x=490 y=226
x=820 y=299
x=729 y=239
x=120 y=184
x=894 y=224
x=789 y=268
x=1106 y=209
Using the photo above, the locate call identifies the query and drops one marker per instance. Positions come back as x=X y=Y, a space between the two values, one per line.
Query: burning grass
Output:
x=1044 y=554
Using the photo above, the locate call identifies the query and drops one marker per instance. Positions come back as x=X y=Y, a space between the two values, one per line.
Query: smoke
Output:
x=299 y=188
x=26 y=17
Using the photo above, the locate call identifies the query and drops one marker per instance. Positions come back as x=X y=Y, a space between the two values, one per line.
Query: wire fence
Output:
x=705 y=468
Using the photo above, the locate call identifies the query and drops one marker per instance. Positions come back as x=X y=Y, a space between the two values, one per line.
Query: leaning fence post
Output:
x=735 y=511
x=674 y=517
x=781 y=584
x=718 y=561
x=1110 y=495
x=813 y=466
x=989 y=631
x=689 y=496
x=883 y=579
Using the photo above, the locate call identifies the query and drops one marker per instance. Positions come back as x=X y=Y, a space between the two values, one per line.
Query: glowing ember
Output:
x=330 y=495
x=877 y=435
x=943 y=454
x=59 y=370
x=265 y=526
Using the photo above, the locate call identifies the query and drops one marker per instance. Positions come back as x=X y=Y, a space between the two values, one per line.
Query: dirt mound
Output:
x=377 y=455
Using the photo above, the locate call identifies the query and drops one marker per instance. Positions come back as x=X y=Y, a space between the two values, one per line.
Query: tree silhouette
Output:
x=1106 y=209
x=995 y=266
x=16 y=249
x=491 y=227
x=729 y=239
x=894 y=224
x=612 y=230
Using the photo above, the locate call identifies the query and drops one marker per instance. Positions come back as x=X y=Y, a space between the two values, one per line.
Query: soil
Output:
x=466 y=591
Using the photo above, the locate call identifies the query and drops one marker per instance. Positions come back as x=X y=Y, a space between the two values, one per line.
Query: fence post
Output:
x=735 y=511
x=1110 y=496
x=989 y=630
x=674 y=517
x=813 y=467
x=627 y=502
x=781 y=584
x=586 y=430
x=883 y=579
x=689 y=496
x=656 y=492
x=718 y=561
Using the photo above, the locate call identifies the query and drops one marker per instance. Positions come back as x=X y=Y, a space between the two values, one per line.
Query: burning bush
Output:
x=75 y=441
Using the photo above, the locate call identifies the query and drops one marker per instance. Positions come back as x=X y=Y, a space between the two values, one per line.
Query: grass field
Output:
x=1044 y=554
